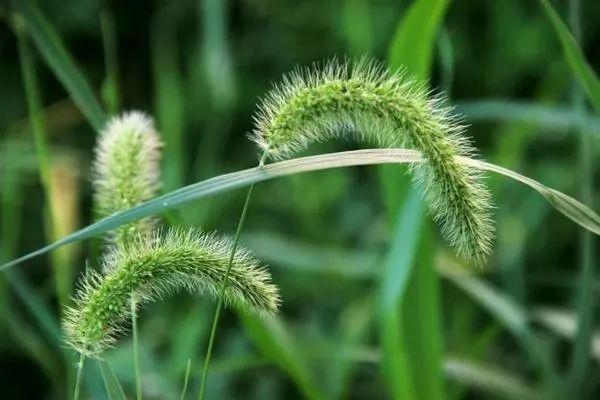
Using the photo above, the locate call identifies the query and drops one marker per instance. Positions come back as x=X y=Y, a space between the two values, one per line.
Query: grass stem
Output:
x=215 y=322
x=79 y=374
x=186 y=379
x=136 y=356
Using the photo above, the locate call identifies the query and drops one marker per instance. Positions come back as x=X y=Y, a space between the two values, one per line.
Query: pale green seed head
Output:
x=370 y=103
x=126 y=169
x=151 y=267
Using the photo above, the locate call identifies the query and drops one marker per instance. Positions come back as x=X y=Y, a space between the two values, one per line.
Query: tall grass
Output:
x=374 y=304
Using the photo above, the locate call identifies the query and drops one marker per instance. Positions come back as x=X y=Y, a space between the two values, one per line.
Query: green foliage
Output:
x=201 y=66
x=584 y=74
x=60 y=61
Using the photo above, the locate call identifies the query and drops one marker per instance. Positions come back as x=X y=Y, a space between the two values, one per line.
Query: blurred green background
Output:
x=375 y=306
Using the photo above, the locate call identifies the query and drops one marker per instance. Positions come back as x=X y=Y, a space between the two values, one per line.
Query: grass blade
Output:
x=414 y=39
x=111 y=383
x=354 y=323
x=169 y=93
x=414 y=345
x=110 y=86
x=488 y=378
x=186 y=379
x=269 y=334
x=568 y=206
x=505 y=310
x=54 y=52
x=585 y=75
x=396 y=360
x=547 y=117
x=579 y=368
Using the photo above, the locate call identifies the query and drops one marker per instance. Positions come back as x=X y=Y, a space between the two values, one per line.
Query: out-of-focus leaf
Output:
x=354 y=323
x=509 y=313
x=564 y=323
x=307 y=258
x=54 y=52
x=111 y=383
x=269 y=334
x=584 y=74
x=548 y=117
x=487 y=378
x=394 y=279
x=414 y=40
x=415 y=353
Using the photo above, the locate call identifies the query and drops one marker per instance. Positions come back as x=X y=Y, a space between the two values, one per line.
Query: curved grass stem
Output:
x=186 y=379
x=215 y=322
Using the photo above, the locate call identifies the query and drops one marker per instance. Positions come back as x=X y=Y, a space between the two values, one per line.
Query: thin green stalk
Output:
x=79 y=374
x=186 y=379
x=215 y=322
x=136 y=356
x=580 y=355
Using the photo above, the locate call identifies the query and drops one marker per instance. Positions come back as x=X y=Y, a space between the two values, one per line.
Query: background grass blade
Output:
x=489 y=379
x=396 y=362
x=550 y=118
x=414 y=40
x=412 y=337
x=573 y=209
x=584 y=295
x=110 y=87
x=113 y=388
x=54 y=52
x=169 y=92
x=271 y=337
x=584 y=74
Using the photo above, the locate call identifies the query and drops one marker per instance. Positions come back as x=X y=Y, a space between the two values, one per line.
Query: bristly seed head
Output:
x=126 y=169
x=149 y=267
x=390 y=110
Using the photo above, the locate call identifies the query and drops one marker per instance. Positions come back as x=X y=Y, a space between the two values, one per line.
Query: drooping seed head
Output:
x=149 y=267
x=126 y=169
x=387 y=109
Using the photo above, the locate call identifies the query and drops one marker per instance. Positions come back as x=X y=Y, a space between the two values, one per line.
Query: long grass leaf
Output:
x=414 y=40
x=110 y=87
x=269 y=334
x=506 y=311
x=564 y=324
x=396 y=359
x=489 y=379
x=54 y=52
x=111 y=383
x=60 y=261
x=550 y=118
x=583 y=72
x=416 y=349
x=579 y=368
x=169 y=92
x=568 y=206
